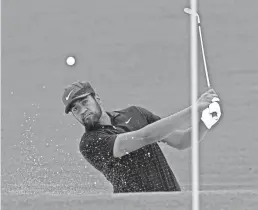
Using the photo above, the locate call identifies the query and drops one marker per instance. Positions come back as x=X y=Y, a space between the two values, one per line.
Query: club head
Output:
x=190 y=12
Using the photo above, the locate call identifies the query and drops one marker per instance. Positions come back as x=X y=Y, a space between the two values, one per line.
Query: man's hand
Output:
x=211 y=115
x=209 y=108
x=206 y=99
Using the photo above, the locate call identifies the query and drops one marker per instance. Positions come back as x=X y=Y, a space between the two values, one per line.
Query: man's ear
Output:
x=98 y=98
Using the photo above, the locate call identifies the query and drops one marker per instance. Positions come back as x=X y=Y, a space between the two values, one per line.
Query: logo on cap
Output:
x=69 y=95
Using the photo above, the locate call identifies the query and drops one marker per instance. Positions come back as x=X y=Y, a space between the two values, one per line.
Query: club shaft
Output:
x=203 y=56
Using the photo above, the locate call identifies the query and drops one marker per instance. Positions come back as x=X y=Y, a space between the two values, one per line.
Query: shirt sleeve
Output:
x=150 y=117
x=97 y=148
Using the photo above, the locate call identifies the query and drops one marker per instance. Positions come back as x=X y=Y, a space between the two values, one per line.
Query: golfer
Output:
x=123 y=144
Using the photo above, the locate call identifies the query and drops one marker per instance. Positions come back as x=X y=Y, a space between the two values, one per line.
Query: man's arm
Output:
x=154 y=132
x=182 y=139
x=161 y=129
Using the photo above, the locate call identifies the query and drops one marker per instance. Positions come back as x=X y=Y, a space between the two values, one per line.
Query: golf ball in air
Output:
x=70 y=61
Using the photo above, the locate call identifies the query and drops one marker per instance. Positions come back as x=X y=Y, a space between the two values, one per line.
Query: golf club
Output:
x=190 y=12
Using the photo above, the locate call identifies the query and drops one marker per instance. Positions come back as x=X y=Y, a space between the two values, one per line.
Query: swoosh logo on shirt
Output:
x=128 y=121
x=68 y=95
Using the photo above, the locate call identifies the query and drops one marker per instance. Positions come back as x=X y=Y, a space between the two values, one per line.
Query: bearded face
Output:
x=87 y=111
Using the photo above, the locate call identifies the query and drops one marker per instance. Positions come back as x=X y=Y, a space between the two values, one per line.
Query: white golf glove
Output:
x=207 y=117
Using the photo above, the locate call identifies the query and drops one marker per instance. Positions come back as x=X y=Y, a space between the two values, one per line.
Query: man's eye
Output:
x=84 y=102
x=74 y=109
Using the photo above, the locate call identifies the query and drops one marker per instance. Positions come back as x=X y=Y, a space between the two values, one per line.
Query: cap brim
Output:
x=68 y=106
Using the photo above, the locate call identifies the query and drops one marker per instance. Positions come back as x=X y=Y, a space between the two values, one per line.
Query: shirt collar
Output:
x=112 y=116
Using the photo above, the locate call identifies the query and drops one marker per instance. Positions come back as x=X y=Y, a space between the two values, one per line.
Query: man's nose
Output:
x=83 y=110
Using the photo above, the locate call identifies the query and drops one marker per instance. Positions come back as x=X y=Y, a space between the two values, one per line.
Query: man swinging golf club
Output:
x=123 y=144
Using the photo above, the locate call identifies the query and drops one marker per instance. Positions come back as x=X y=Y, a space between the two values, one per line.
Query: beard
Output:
x=92 y=118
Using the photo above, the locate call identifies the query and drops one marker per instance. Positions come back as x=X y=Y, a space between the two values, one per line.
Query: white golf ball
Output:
x=70 y=61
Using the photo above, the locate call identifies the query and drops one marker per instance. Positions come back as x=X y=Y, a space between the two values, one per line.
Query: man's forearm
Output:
x=162 y=128
x=186 y=140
